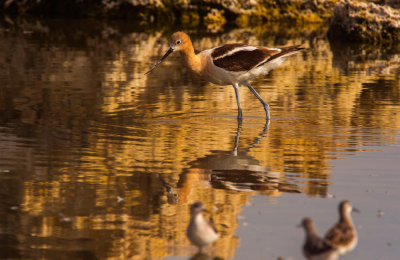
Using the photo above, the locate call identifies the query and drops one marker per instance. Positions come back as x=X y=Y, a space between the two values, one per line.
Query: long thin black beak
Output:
x=170 y=50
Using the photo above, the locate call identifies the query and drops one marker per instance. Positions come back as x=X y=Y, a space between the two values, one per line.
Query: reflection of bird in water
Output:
x=316 y=248
x=238 y=170
x=343 y=235
x=230 y=64
x=200 y=231
x=201 y=256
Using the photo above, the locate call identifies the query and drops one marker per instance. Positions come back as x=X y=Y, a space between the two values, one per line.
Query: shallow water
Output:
x=99 y=161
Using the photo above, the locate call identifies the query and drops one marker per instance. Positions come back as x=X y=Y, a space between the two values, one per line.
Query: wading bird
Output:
x=316 y=248
x=230 y=64
x=200 y=231
x=343 y=234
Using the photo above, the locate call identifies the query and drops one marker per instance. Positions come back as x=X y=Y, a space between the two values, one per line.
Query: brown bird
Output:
x=230 y=64
x=316 y=248
x=201 y=231
x=343 y=235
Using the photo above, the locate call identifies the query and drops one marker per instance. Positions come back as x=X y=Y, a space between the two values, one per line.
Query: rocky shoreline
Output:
x=375 y=21
x=366 y=22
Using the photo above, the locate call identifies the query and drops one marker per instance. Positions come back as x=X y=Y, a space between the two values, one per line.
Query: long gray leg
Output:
x=240 y=114
x=236 y=145
x=266 y=106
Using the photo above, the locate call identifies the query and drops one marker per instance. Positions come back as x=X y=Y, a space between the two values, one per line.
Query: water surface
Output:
x=98 y=161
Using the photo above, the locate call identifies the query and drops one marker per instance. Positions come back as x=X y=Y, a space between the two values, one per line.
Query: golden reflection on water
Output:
x=99 y=160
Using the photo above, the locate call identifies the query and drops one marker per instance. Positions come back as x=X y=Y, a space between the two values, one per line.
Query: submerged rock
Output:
x=365 y=22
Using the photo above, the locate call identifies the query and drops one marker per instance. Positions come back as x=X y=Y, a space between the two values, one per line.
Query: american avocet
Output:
x=315 y=247
x=343 y=235
x=230 y=64
x=200 y=231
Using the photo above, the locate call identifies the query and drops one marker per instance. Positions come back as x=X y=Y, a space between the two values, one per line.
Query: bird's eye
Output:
x=178 y=42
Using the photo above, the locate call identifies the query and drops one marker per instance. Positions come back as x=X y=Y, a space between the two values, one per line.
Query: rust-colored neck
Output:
x=192 y=60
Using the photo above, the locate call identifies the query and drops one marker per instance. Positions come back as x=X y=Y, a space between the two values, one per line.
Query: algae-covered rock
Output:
x=178 y=10
x=214 y=20
x=304 y=11
x=234 y=6
x=125 y=8
x=365 y=22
